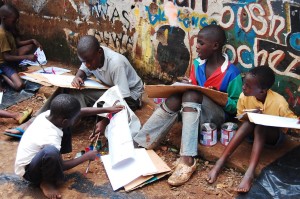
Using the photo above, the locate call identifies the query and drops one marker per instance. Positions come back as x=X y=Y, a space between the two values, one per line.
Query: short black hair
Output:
x=88 y=43
x=65 y=106
x=8 y=9
x=215 y=33
x=265 y=76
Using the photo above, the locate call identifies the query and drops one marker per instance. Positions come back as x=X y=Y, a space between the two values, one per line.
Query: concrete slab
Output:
x=239 y=159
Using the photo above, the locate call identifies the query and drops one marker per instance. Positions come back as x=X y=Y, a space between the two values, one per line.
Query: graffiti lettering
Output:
x=254 y=17
x=193 y=21
x=155 y=18
x=101 y=10
x=186 y=3
x=120 y=41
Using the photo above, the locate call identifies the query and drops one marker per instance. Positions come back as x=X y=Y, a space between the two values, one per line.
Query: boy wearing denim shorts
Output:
x=12 y=49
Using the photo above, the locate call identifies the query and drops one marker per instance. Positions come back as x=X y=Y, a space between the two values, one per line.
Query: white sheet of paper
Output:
x=120 y=141
x=53 y=70
x=1 y=95
x=113 y=95
x=275 y=121
x=41 y=57
x=66 y=80
x=125 y=173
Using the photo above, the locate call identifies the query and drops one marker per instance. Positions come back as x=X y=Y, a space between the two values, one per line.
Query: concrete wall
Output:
x=159 y=36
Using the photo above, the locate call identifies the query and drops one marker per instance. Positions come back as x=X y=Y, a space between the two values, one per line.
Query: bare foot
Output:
x=245 y=185
x=213 y=174
x=21 y=128
x=50 y=190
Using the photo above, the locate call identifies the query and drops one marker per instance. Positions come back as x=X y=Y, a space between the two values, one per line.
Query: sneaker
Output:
x=182 y=174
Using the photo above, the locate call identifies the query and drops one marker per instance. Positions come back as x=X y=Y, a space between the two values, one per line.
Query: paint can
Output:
x=208 y=134
x=158 y=100
x=228 y=129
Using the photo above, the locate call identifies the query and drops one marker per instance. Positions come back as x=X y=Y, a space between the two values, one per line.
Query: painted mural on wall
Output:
x=160 y=35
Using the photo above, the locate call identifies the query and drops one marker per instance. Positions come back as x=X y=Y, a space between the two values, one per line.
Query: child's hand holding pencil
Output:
x=253 y=110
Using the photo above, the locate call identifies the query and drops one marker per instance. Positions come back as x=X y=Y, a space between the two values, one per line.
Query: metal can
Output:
x=159 y=100
x=228 y=129
x=208 y=134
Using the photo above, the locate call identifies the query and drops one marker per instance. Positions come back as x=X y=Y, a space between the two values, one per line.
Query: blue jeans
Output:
x=160 y=122
x=46 y=165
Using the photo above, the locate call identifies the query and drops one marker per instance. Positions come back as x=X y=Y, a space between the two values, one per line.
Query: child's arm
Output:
x=78 y=80
x=28 y=42
x=69 y=164
x=12 y=58
x=89 y=111
x=100 y=128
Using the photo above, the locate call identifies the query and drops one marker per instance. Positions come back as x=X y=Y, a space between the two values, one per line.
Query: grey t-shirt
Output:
x=117 y=70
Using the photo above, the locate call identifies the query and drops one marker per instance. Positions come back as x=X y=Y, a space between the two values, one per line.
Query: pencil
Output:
x=41 y=66
x=251 y=110
x=88 y=167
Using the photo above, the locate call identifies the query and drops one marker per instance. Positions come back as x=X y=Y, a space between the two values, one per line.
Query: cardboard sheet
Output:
x=162 y=170
x=125 y=173
x=164 y=91
x=275 y=121
x=62 y=80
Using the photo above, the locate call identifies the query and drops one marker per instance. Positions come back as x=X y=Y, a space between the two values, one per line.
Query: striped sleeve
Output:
x=234 y=90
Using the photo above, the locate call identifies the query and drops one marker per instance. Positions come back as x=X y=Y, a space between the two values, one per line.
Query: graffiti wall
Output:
x=159 y=36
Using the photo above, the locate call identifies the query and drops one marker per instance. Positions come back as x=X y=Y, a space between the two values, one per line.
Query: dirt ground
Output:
x=96 y=184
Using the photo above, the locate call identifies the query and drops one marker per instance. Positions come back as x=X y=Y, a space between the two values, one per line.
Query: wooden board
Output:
x=164 y=91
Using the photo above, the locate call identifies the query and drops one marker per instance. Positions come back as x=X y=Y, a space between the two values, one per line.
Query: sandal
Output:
x=182 y=174
x=26 y=114
x=17 y=135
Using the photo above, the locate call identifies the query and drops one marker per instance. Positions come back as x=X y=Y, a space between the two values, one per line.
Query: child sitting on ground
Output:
x=211 y=69
x=256 y=95
x=39 y=153
x=13 y=50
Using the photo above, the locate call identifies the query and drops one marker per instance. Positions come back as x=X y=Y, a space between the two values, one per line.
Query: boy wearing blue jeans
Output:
x=256 y=95
x=39 y=153
x=212 y=69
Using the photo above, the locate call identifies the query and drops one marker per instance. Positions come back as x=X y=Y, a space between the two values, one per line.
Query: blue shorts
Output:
x=7 y=70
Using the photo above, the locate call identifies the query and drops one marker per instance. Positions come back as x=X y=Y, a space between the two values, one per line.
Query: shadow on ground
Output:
x=79 y=183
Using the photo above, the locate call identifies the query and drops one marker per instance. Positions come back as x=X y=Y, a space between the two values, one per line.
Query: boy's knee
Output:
x=51 y=152
x=192 y=96
x=174 y=102
x=19 y=86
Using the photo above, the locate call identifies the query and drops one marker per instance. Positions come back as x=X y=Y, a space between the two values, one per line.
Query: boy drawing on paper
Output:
x=211 y=69
x=107 y=66
x=256 y=95
x=13 y=50
x=39 y=153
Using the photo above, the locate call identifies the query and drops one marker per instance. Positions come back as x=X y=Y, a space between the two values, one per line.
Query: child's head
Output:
x=210 y=40
x=9 y=16
x=90 y=52
x=258 y=81
x=64 y=109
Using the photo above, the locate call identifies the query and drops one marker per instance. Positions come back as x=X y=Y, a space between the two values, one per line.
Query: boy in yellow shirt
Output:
x=256 y=95
x=13 y=50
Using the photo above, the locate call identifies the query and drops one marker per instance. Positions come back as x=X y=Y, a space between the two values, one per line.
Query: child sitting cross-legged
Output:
x=39 y=153
x=256 y=95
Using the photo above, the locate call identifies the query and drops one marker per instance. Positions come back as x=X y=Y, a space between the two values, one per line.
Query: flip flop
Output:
x=13 y=135
x=17 y=135
x=26 y=114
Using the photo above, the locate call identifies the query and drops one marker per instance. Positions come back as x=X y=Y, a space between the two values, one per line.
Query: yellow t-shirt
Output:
x=7 y=43
x=275 y=104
